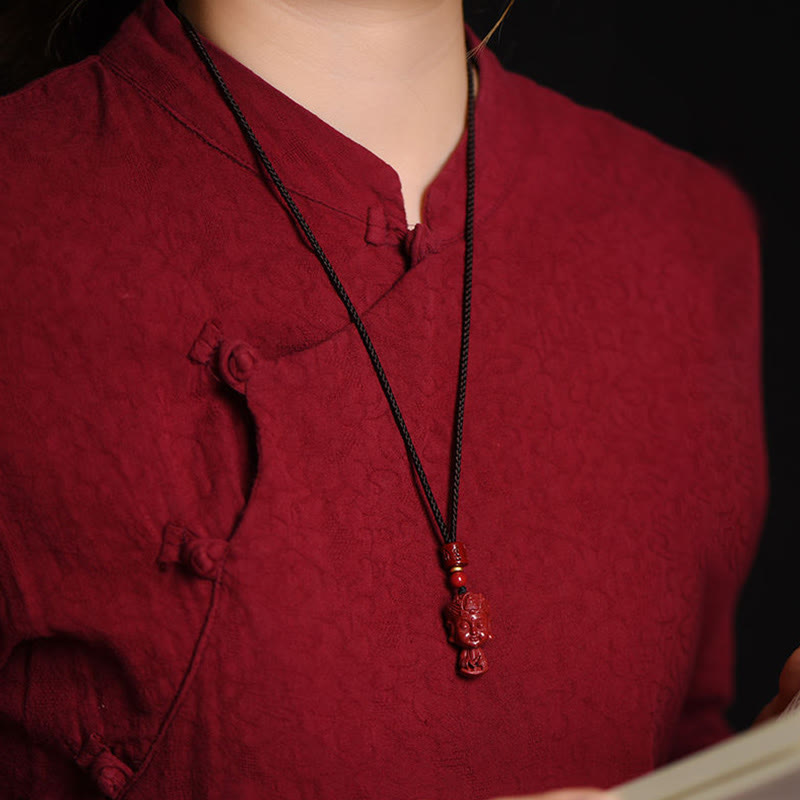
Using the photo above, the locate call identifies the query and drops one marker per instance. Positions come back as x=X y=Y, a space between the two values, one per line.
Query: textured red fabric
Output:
x=219 y=578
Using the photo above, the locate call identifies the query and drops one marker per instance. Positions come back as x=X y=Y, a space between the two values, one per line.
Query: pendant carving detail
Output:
x=469 y=628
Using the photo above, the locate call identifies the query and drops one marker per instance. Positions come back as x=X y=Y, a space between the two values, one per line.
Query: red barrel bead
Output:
x=454 y=554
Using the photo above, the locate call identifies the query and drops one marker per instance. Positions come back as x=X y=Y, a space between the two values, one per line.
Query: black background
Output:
x=719 y=79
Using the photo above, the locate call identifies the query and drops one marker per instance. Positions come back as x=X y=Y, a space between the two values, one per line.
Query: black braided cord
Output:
x=448 y=532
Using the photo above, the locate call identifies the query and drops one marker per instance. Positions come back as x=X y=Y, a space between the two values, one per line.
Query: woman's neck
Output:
x=389 y=74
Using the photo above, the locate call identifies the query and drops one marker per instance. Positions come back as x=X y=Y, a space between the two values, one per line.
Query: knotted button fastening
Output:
x=109 y=773
x=232 y=360
x=200 y=554
x=203 y=555
x=237 y=360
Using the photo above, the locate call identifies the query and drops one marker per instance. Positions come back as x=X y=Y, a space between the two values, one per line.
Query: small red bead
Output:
x=457 y=579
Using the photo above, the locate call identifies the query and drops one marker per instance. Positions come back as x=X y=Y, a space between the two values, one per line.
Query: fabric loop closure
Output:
x=109 y=773
x=202 y=555
x=233 y=361
x=205 y=345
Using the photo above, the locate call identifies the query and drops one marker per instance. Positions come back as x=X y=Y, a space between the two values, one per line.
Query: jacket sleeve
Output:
x=703 y=722
x=735 y=346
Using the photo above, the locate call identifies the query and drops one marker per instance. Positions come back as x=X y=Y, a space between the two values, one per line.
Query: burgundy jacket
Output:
x=218 y=576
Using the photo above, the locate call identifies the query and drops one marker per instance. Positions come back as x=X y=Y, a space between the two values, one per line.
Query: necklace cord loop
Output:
x=447 y=530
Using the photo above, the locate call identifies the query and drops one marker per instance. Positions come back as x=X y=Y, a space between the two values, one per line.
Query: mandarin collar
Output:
x=311 y=157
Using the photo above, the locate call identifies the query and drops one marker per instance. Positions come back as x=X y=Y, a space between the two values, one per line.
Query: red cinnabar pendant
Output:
x=467 y=615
